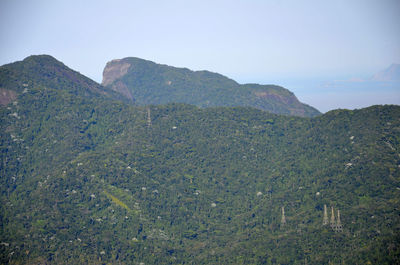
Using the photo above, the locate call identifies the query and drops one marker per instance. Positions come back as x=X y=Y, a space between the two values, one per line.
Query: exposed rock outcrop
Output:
x=6 y=96
x=114 y=69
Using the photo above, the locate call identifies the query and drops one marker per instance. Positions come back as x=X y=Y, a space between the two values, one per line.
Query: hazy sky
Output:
x=249 y=41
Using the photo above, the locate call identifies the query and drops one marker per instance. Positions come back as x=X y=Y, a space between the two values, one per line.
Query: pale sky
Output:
x=248 y=41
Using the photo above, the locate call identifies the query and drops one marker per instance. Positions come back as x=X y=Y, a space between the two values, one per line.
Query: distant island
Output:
x=392 y=73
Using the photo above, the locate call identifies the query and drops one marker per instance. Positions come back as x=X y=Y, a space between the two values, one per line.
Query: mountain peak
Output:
x=41 y=57
x=45 y=71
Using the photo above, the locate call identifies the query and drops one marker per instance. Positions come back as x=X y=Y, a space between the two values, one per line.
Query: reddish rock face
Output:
x=6 y=96
x=114 y=69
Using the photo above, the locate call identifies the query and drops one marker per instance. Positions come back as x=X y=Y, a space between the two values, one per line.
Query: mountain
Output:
x=145 y=82
x=87 y=179
x=45 y=71
x=392 y=73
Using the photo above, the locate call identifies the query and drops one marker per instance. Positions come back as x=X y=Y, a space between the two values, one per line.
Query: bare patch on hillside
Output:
x=6 y=96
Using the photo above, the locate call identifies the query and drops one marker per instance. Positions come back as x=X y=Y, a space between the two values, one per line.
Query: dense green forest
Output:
x=148 y=83
x=87 y=178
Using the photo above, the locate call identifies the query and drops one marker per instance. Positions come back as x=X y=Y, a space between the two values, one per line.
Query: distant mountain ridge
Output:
x=145 y=82
x=392 y=73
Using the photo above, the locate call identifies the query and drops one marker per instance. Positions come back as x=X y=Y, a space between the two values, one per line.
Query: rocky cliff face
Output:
x=114 y=70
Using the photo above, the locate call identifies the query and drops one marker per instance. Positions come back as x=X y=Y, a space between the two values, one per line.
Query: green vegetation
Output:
x=147 y=83
x=116 y=200
x=85 y=179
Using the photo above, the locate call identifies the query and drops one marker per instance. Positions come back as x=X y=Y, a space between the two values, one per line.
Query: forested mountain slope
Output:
x=86 y=179
x=45 y=71
x=145 y=82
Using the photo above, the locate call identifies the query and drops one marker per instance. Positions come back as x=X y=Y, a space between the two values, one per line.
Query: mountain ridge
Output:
x=46 y=71
x=392 y=73
x=146 y=82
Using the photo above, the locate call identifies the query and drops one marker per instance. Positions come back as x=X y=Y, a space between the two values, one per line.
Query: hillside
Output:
x=145 y=82
x=45 y=71
x=86 y=179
